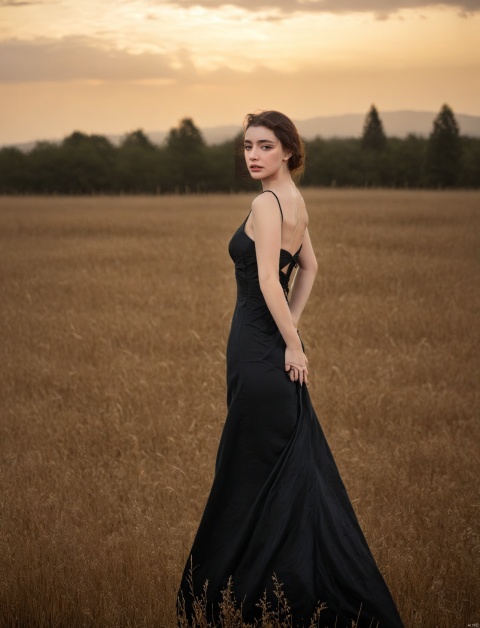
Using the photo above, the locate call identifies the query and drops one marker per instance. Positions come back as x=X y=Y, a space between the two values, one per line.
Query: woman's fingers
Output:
x=297 y=373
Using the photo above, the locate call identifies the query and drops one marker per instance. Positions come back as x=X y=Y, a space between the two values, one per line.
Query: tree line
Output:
x=184 y=163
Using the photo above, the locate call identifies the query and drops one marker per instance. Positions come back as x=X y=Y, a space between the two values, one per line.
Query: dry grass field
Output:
x=114 y=319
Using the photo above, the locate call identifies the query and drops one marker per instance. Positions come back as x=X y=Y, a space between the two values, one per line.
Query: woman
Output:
x=278 y=506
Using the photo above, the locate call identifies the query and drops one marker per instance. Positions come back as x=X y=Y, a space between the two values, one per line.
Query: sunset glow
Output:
x=107 y=66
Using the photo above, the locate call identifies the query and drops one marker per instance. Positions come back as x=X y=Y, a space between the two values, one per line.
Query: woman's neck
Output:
x=279 y=181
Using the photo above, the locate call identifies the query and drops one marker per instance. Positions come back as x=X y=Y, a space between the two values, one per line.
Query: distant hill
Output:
x=396 y=124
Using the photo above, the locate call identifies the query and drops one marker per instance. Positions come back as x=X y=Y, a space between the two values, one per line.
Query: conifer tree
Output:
x=443 y=150
x=373 y=136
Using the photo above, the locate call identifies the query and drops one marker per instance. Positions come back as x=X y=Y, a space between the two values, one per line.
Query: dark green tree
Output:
x=221 y=167
x=138 y=164
x=333 y=162
x=138 y=139
x=443 y=150
x=407 y=159
x=186 y=137
x=13 y=170
x=187 y=158
x=373 y=136
x=88 y=164
x=47 y=169
x=469 y=176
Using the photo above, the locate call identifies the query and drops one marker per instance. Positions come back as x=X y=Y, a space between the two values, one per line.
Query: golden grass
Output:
x=114 y=319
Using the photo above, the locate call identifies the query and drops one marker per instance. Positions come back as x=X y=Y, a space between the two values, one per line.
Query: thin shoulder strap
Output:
x=278 y=201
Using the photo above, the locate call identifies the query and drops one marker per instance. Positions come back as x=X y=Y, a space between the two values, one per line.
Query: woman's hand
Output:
x=296 y=365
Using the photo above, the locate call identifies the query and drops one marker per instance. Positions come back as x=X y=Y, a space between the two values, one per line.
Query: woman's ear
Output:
x=287 y=155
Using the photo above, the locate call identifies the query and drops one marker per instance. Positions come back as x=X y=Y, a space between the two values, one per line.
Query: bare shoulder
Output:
x=264 y=201
x=265 y=210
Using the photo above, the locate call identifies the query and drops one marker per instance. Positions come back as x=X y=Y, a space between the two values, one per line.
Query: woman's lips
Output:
x=255 y=168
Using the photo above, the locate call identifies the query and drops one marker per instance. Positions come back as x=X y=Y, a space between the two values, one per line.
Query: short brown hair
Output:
x=286 y=132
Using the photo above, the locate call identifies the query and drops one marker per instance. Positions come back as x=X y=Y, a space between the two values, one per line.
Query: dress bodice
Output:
x=242 y=251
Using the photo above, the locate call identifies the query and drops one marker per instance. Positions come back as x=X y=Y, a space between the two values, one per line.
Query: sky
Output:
x=113 y=66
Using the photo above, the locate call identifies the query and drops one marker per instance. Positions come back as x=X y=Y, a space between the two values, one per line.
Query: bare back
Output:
x=294 y=220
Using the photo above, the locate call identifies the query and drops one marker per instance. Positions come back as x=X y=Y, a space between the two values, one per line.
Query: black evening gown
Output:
x=278 y=504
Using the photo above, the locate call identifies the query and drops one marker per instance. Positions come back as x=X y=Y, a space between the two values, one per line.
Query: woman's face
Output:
x=264 y=154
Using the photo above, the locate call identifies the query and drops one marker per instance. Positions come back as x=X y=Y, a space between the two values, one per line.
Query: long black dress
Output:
x=278 y=504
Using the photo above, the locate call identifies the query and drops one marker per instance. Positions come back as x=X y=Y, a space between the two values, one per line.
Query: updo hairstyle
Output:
x=286 y=132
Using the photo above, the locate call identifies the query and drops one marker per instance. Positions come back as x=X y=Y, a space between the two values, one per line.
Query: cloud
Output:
x=381 y=8
x=19 y=3
x=85 y=58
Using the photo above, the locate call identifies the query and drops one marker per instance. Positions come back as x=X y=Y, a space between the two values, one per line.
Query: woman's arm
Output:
x=267 y=230
x=304 y=278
